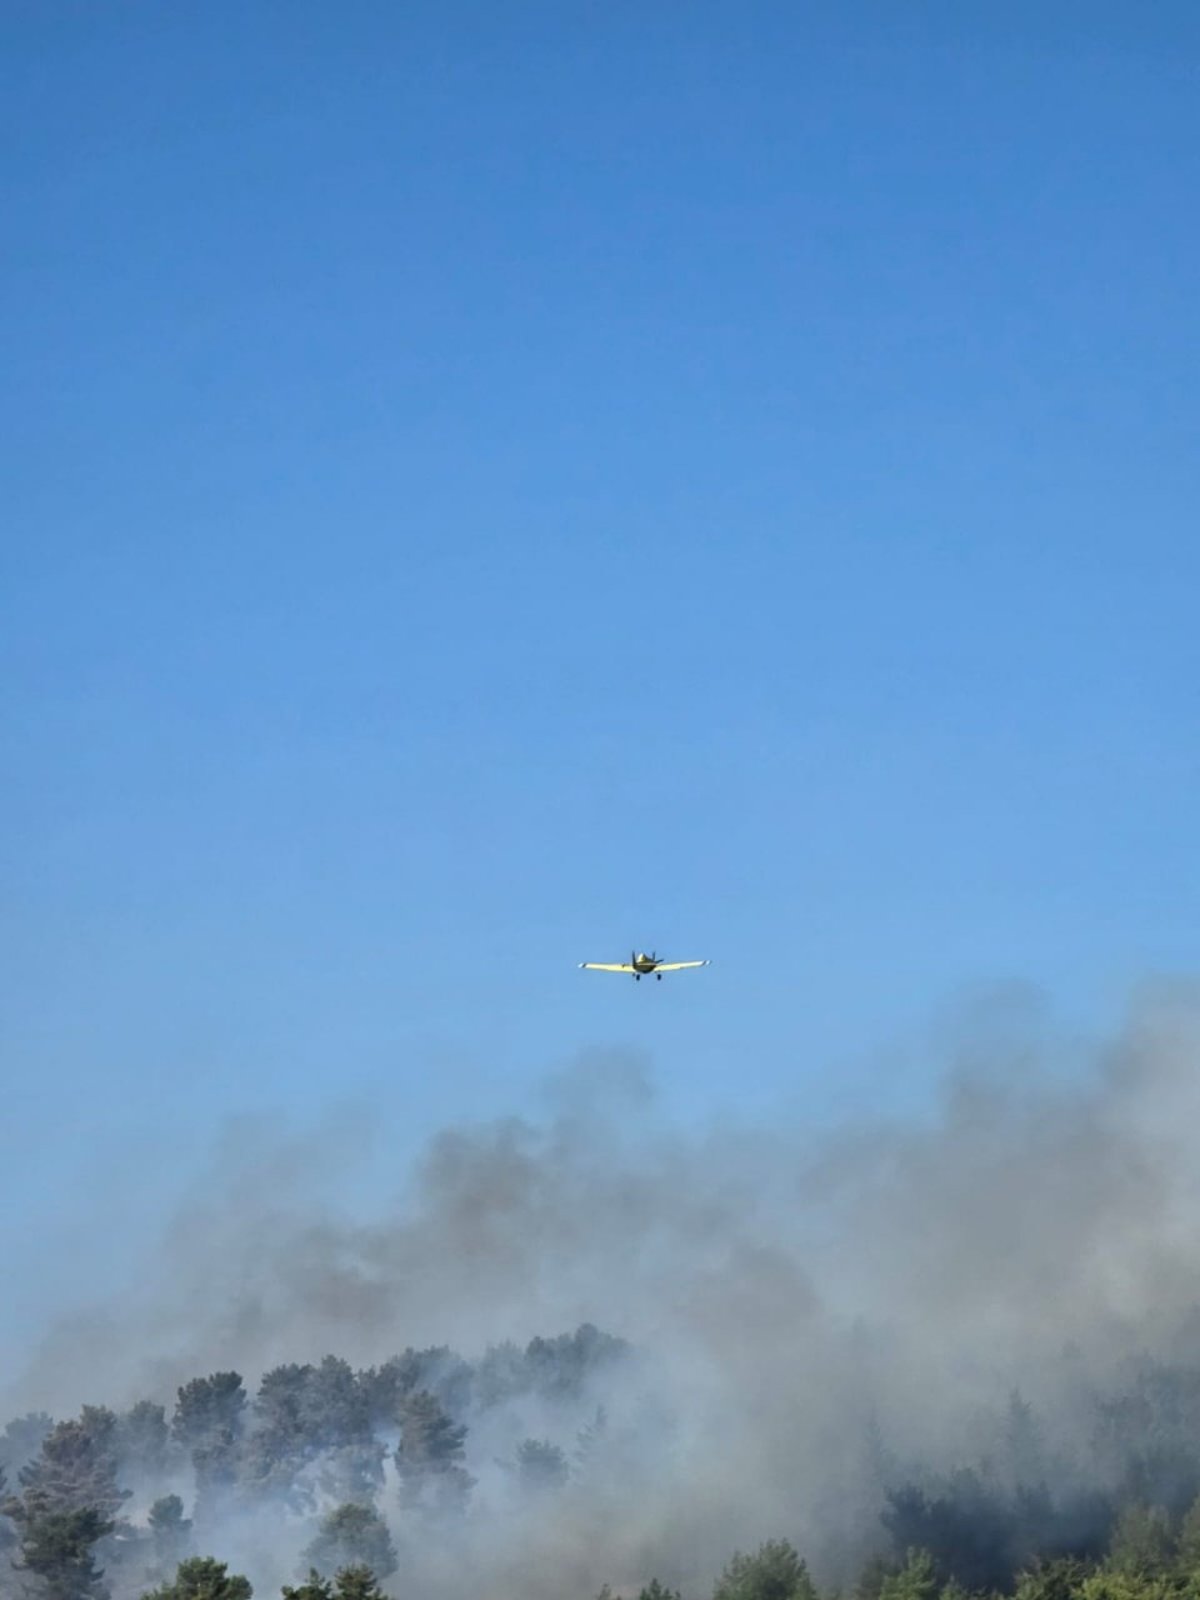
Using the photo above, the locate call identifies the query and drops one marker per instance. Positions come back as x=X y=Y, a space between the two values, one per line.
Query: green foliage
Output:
x=57 y=1547
x=540 y=1466
x=170 y=1533
x=356 y=1583
x=429 y=1456
x=208 y=1407
x=500 y=1375
x=203 y=1578
x=7 y=1531
x=973 y=1532
x=438 y=1370
x=350 y=1472
x=774 y=1572
x=872 y=1578
x=917 y=1579
x=1141 y=1544
x=1146 y=1439
x=306 y=1414
x=1187 y=1544
x=310 y=1436
x=559 y=1368
x=100 y=1424
x=141 y=1442
x=352 y=1535
x=335 y=1408
x=75 y=1470
x=301 y=1410
x=166 y=1516
x=1061 y=1579
x=1114 y=1585
x=208 y=1424
x=314 y=1587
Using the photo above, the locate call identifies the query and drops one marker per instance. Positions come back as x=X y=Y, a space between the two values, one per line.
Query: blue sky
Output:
x=485 y=486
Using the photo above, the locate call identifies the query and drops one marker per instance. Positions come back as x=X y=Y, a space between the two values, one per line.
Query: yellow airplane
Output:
x=640 y=965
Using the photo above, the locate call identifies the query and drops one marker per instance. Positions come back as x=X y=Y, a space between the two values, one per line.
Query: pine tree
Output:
x=8 y=1533
x=500 y=1375
x=429 y=1456
x=559 y=1368
x=141 y=1442
x=1052 y=1580
x=1141 y=1543
x=774 y=1572
x=352 y=1472
x=875 y=1573
x=438 y=1369
x=314 y=1587
x=1188 y=1541
x=335 y=1411
x=208 y=1424
x=305 y=1415
x=540 y=1466
x=352 y=1535
x=75 y=1469
x=170 y=1533
x=917 y=1579
x=203 y=1578
x=1111 y=1584
x=357 y=1583
x=57 y=1547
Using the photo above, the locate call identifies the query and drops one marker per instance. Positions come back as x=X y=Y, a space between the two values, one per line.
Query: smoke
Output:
x=808 y=1311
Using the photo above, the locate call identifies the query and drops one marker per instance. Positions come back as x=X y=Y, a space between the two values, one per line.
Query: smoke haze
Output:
x=808 y=1313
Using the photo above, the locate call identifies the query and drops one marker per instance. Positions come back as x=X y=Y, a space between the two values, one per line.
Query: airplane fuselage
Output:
x=641 y=965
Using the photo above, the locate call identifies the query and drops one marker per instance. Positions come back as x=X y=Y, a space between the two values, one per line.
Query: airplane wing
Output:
x=606 y=966
x=678 y=966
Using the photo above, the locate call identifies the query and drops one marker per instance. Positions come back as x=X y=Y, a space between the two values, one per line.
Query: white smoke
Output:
x=801 y=1305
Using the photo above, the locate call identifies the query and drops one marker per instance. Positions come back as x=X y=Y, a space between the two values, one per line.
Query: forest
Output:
x=407 y=1478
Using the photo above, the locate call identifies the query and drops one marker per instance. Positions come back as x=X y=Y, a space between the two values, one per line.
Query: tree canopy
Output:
x=116 y=1505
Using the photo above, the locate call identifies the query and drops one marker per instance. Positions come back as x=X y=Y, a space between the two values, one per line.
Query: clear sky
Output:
x=486 y=485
